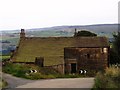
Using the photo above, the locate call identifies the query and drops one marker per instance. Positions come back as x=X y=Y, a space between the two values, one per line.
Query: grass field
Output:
x=13 y=41
x=2 y=58
x=49 y=33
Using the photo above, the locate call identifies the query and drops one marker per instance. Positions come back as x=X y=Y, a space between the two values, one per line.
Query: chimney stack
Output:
x=22 y=34
x=75 y=32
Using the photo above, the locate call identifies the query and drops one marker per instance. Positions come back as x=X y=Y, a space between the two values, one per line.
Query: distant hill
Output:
x=96 y=28
x=100 y=29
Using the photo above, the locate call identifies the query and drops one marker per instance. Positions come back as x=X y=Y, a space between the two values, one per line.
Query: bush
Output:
x=84 y=33
x=18 y=70
x=115 y=51
x=112 y=72
x=114 y=59
x=100 y=80
x=108 y=79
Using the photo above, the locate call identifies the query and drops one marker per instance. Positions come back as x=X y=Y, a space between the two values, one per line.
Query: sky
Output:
x=17 y=14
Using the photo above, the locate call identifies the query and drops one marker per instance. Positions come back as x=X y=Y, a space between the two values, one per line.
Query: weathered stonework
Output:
x=85 y=59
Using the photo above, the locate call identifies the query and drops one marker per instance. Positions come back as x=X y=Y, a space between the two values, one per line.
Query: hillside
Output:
x=100 y=29
x=96 y=28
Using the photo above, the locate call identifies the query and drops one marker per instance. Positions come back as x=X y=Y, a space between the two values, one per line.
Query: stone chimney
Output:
x=75 y=32
x=22 y=33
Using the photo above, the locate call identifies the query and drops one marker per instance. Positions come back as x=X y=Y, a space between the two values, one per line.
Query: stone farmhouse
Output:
x=65 y=54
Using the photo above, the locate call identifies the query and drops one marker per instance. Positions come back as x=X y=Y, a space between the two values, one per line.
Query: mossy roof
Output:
x=52 y=48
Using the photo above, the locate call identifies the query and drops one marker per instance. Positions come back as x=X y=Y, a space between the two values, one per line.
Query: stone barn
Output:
x=68 y=54
x=90 y=53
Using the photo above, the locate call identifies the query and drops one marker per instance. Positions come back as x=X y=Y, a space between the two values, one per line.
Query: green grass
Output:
x=109 y=79
x=52 y=49
x=12 y=40
x=21 y=70
x=4 y=57
x=48 y=33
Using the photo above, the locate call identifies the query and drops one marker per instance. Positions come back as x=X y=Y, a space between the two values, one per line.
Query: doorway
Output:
x=73 y=67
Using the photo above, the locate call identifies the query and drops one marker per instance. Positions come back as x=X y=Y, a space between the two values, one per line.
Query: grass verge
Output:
x=22 y=70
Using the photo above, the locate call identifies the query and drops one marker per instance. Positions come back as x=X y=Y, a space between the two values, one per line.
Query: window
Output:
x=105 y=50
x=88 y=55
x=97 y=55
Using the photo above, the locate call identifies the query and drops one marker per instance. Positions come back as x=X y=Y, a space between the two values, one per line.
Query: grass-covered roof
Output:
x=52 y=48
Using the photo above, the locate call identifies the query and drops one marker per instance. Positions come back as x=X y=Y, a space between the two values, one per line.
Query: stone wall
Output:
x=59 y=68
x=86 y=58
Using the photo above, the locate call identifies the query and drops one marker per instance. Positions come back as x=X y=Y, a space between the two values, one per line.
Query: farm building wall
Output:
x=86 y=59
x=59 y=68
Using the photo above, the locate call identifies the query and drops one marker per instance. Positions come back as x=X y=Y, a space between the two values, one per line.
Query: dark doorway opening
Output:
x=73 y=67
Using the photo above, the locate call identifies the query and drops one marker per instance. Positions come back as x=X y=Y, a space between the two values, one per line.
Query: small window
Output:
x=97 y=55
x=88 y=55
x=105 y=50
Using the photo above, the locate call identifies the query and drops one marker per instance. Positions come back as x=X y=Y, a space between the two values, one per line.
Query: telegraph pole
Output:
x=119 y=16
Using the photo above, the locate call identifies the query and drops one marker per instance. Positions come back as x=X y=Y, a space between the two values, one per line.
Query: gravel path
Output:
x=14 y=82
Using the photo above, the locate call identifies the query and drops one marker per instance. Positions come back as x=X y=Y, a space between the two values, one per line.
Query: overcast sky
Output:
x=17 y=14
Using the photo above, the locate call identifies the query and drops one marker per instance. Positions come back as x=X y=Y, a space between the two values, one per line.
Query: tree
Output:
x=115 y=51
x=114 y=59
x=84 y=33
x=116 y=43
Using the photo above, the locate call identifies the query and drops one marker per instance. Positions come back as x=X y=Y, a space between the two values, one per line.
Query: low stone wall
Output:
x=59 y=68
